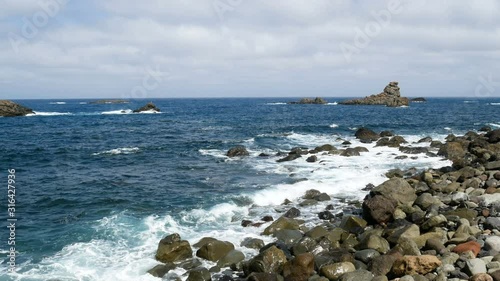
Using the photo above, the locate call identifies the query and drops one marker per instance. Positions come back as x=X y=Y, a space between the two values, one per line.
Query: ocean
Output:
x=98 y=186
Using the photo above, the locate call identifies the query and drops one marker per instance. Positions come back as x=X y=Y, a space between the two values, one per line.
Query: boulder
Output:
x=149 y=107
x=397 y=189
x=292 y=213
x=472 y=246
x=357 y=275
x=350 y=152
x=281 y=223
x=452 y=150
x=12 y=109
x=300 y=268
x=237 y=151
x=290 y=157
x=214 y=250
x=395 y=141
x=389 y=97
x=172 y=248
x=493 y=136
x=334 y=271
x=161 y=269
x=271 y=260
x=199 y=274
x=366 y=134
x=252 y=243
x=312 y=159
x=232 y=257
x=379 y=209
x=410 y=265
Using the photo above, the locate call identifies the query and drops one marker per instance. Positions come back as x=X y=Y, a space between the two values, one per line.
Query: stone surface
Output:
x=214 y=250
x=397 y=189
x=468 y=246
x=161 y=269
x=317 y=100
x=475 y=266
x=237 y=151
x=379 y=209
x=281 y=223
x=270 y=260
x=199 y=274
x=172 y=248
x=149 y=107
x=334 y=271
x=357 y=275
x=410 y=265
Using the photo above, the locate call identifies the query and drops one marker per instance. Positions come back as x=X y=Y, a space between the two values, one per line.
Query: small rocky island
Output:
x=109 y=102
x=150 y=107
x=317 y=100
x=12 y=109
x=389 y=97
x=418 y=100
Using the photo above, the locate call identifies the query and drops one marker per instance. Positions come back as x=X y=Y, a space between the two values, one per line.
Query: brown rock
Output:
x=300 y=268
x=12 y=109
x=410 y=265
x=468 y=246
x=495 y=275
x=379 y=209
x=172 y=248
x=214 y=250
x=481 y=277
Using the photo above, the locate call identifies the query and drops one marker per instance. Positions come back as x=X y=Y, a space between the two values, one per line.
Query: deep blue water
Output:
x=75 y=170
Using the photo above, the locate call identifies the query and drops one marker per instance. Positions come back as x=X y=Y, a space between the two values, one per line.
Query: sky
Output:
x=248 y=48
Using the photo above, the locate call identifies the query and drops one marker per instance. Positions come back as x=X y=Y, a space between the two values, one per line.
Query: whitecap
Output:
x=116 y=151
x=58 y=102
x=120 y=111
x=334 y=126
x=332 y=103
x=276 y=103
x=39 y=113
x=447 y=128
x=494 y=103
x=494 y=125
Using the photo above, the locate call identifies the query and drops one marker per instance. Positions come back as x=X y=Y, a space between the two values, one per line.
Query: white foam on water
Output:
x=494 y=103
x=471 y=101
x=39 y=113
x=494 y=125
x=116 y=151
x=276 y=103
x=120 y=111
x=334 y=126
x=332 y=103
x=447 y=128
x=83 y=102
x=58 y=102
x=151 y=111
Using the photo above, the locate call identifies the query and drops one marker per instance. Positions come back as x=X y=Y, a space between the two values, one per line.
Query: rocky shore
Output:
x=149 y=107
x=12 y=109
x=431 y=225
x=389 y=97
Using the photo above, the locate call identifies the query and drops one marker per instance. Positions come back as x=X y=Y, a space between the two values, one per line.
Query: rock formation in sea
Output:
x=149 y=107
x=389 y=97
x=12 y=109
x=317 y=100
x=418 y=100
x=109 y=102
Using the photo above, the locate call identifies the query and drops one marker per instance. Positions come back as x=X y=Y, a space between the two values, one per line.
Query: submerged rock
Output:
x=237 y=151
x=12 y=109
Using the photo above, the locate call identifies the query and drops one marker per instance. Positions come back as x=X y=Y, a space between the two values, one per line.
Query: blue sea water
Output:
x=98 y=187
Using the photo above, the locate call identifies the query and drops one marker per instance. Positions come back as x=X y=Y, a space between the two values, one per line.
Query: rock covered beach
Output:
x=418 y=225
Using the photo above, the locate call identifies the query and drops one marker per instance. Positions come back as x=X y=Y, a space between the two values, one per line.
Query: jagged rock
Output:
x=233 y=257
x=379 y=209
x=493 y=136
x=149 y=107
x=300 y=268
x=161 y=269
x=292 y=213
x=390 y=97
x=12 y=109
x=270 y=260
x=237 y=151
x=172 y=248
x=199 y=274
x=317 y=100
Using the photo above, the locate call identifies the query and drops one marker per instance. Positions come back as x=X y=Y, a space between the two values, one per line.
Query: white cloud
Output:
x=288 y=46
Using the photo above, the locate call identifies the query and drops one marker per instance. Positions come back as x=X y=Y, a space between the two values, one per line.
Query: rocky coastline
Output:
x=12 y=109
x=149 y=107
x=390 y=97
x=432 y=225
x=316 y=100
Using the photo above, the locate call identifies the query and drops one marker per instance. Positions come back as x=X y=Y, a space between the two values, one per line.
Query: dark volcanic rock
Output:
x=237 y=151
x=12 y=109
x=290 y=157
x=150 y=107
x=390 y=97
x=317 y=100
x=379 y=209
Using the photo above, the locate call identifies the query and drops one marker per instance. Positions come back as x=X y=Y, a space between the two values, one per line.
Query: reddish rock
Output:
x=468 y=246
x=485 y=213
x=490 y=190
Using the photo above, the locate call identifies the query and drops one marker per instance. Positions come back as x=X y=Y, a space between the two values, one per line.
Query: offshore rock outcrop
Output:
x=150 y=107
x=12 y=109
x=317 y=100
x=389 y=97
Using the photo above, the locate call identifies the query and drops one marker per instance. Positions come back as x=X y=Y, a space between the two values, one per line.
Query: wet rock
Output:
x=189 y=264
x=366 y=255
x=334 y=271
x=252 y=243
x=492 y=223
x=237 y=151
x=292 y=213
x=352 y=223
x=281 y=223
x=413 y=150
x=326 y=215
x=357 y=275
x=233 y=257
x=172 y=248
x=262 y=276
x=395 y=141
x=451 y=150
x=149 y=107
x=348 y=152
x=374 y=242
x=214 y=250
x=384 y=134
x=426 y=139
x=299 y=268
x=325 y=147
x=389 y=97
x=493 y=136
x=199 y=274
x=382 y=265
x=290 y=157
x=312 y=159
x=271 y=260
x=317 y=100
x=161 y=269
x=288 y=236
x=410 y=265
x=305 y=245
x=366 y=134
x=397 y=189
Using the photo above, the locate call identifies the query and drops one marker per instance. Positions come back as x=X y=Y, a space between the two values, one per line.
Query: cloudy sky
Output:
x=247 y=48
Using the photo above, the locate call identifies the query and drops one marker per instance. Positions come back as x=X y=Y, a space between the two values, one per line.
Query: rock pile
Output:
x=317 y=100
x=389 y=97
x=431 y=225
